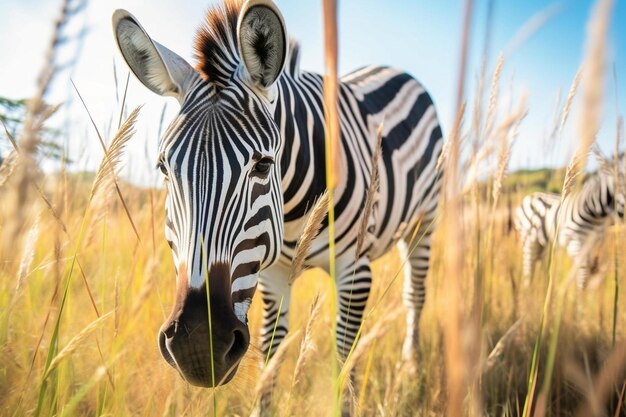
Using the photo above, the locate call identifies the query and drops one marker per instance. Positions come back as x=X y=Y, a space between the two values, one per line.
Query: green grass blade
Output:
x=208 y=299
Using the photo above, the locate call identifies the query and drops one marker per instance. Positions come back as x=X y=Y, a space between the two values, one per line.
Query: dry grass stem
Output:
x=570 y=98
x=311 y=229
x=8 y=167
x=37 y=113
x=443 y=157
x=556 y=115
x=508 y=134
x=455 y=367
x=593 y=82
x=617 y=175
x=493 y=95
x=76 y=342
x=372 y=192
x=106 y=154
x=305 y=355
x=498 y=350
x=28 y=254
x=572 y=173
x=110 y=165
x=364 y=343
x=532 y=26
x=307 y=346
x=331 y=93
x=266 y=380
x=604 y=164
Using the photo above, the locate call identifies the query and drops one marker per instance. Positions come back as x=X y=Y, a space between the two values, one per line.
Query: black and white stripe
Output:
x=579 y=217
x=407 y=198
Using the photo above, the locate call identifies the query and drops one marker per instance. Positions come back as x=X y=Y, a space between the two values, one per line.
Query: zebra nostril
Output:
x=239 y=345
x=171 y=330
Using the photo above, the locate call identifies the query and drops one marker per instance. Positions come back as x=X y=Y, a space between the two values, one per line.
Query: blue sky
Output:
x=421 y=37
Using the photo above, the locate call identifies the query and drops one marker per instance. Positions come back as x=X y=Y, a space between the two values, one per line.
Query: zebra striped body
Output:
x=577 y=219
x=408 y=192
x=245 y=162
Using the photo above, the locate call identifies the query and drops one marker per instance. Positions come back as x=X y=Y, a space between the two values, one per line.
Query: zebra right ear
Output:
x=158 y=68
x=262 y=39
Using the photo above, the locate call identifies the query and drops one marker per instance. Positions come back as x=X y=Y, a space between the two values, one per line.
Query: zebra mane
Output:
x=216 y=45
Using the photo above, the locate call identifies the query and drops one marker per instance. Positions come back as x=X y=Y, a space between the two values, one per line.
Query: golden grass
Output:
x=593 y=87
x=7 y=167
x=307 y=345
x=75 y=343
x=311 y=229
x=570 y=99
x=372 y=192
x=142 y=383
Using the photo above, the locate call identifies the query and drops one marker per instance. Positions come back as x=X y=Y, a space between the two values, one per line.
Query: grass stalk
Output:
x=205 y=259
x=333 y=152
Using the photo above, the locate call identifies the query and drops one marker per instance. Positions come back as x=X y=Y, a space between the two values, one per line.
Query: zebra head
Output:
x=224 y=213
x=602 y=195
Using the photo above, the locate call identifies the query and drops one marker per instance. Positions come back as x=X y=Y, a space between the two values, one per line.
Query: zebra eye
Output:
x=263 y=165
x=161 y=167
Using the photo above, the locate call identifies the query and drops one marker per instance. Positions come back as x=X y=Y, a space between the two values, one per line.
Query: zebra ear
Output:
x=262 y=42
x=158 y=68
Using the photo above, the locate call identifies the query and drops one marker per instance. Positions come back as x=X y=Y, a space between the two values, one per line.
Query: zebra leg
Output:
x=417 y=254
x=583 y=273
x=531 y=251
x=574 y=249
x=275 y=292
x=353 y=289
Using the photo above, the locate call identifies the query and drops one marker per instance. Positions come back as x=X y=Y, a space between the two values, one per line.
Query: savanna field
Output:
x=87 y=278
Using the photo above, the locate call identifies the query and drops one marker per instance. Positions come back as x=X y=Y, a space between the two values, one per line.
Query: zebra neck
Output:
x=597 y=197
x=300 y=117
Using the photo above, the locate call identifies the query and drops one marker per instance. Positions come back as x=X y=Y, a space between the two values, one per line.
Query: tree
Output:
x=12 y=113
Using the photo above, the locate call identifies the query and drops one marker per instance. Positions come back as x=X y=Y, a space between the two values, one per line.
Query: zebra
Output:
x=579 y=217
x=244 y=161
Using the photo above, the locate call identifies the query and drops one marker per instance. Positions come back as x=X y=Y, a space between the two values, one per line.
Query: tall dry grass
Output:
x=489 y=346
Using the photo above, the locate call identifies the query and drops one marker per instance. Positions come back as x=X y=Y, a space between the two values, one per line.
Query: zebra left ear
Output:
x=262 y=42
x=158 y=68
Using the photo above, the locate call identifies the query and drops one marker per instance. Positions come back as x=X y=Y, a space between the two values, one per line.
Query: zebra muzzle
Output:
x=206 y=354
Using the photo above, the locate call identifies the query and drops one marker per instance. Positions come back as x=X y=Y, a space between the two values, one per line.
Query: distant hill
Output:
x=530 y=180
x=523 y=181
